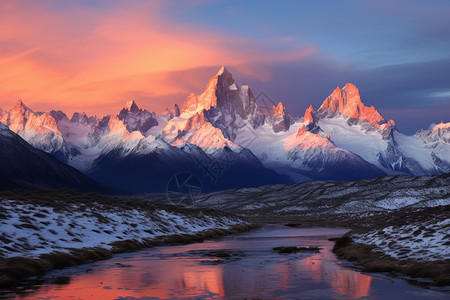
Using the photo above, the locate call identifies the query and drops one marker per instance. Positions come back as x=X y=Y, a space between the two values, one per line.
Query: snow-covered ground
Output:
x=405 y=217
x=28 y=229
x=427 y=241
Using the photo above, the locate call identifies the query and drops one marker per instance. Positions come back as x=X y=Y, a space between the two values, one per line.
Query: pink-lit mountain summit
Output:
x=343 y=139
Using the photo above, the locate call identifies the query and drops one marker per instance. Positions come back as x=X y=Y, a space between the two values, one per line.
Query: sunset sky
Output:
x=93 y=56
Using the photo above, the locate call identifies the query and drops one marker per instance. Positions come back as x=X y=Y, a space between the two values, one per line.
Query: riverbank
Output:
x=46 y=230
x=370 y=259
x=414 y=244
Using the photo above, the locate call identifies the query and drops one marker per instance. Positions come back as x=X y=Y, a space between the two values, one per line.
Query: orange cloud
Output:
x=74 y=57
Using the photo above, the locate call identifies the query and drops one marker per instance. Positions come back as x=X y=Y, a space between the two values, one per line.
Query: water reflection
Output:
x=252 y=270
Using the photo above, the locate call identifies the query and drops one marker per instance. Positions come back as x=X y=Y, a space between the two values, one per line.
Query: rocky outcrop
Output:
x=346 y=102
x=137 y=119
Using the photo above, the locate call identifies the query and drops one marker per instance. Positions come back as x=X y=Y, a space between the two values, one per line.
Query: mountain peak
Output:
x=172 y=112
x=347 y=102
x=279 y=110
x=21 y=106
x=222 y=70
x=131 y=106
x=350 y=87
x=441 y=125
x=281 y=119
x=224 y=80
x=308 y=117
x=221 y=84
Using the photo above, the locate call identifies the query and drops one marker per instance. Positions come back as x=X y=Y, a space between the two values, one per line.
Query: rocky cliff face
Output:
x=346 y=102
x=137 y=119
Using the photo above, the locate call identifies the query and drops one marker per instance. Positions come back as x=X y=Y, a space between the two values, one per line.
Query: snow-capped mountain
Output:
x=212 y=119
x=223 y=137
x=437 y=143
x=365 y=132
x=346 y=104
x=37 y=128
x=23 y=166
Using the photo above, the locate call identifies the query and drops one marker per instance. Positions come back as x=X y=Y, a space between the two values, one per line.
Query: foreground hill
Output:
x=360 y=198
x=23 y=166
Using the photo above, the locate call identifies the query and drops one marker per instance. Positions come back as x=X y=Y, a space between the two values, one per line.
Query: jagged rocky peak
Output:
x=441 y=126
x=226 y=79
x=83 y=119
x=221 y=92
x=137 y=119
x=225 y=104
x=37 y=128
x=310 y=115
x=172 y=112
x=18 y=116
x=197 y=131
x=131 y=106
x=310 y=120
x=20 y=106
x=219 y=85
x=42 y=123
x=346 y=102
x=281 y=120
x=279 y=110
x=58 y=115
x=436 y=136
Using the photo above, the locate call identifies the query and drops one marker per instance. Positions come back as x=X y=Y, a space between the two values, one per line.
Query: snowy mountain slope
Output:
x=141 y=170
x=437 y=144
x=318 y=158
x=303 y=151
x=200 y=132
x=23 y=166
x=391 y=154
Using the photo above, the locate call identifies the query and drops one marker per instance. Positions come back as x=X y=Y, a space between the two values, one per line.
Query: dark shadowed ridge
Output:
x=24 y=167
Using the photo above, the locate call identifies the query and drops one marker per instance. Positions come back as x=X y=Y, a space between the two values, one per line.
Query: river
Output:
x=243 y=266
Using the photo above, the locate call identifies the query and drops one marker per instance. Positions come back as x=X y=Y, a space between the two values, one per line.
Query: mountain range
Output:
x=226 y=138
